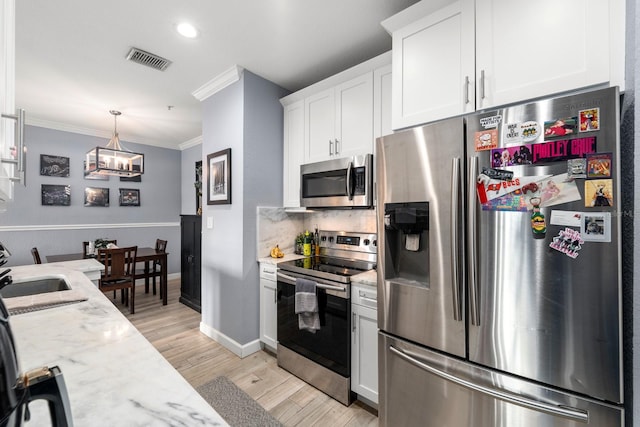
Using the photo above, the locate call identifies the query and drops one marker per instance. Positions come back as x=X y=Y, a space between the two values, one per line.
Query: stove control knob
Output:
x=366 y=242
x=323 y=238
x=331 y=239
x=375 y=242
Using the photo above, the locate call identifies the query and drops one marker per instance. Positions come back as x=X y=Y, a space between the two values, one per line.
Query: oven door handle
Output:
x=318 y=285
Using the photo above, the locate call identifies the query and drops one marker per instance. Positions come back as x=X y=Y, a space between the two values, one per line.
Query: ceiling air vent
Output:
x=148 y=59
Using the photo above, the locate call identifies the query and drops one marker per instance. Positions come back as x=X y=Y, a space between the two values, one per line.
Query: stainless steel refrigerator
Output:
x=499 y=268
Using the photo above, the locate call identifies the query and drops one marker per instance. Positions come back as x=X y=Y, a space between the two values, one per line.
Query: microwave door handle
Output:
x=349 y=170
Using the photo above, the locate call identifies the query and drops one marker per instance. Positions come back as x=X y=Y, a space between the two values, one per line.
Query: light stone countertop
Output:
x=369 y=278
x=275 y=261
x=114 y=376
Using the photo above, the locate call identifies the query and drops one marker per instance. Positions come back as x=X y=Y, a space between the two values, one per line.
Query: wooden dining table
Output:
x=145 y=255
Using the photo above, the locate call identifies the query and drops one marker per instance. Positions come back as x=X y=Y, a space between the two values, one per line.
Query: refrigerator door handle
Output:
x=455 y=223
x=474 y=301
x=555 y=410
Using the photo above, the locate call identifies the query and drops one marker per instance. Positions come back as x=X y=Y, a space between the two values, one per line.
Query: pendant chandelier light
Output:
x=113 y=159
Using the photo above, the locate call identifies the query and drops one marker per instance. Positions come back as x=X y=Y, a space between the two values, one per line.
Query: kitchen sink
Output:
x=34 y=287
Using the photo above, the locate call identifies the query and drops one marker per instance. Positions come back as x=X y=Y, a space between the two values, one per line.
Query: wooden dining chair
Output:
x=85 y=247
x=119 y=272
x=154 y=270
x=36 y=256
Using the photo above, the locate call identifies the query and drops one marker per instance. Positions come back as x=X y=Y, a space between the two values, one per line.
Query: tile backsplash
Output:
x=277 y=226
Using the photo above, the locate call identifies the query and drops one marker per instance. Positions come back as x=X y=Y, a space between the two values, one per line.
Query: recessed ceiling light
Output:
x=187 y=30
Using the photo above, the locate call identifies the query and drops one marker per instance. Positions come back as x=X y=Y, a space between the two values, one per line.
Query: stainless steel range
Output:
x=323 y=358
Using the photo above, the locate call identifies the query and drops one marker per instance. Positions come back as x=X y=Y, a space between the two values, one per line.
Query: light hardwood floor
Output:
x=174 y=330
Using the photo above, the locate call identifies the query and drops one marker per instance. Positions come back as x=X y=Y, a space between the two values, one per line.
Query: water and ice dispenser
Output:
x=406 y=228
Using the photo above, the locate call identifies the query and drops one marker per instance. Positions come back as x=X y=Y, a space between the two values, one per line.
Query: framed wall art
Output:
x=219 y=178
x=96 y=197
x=54 y=165
x=129 y=197
x=56 y=195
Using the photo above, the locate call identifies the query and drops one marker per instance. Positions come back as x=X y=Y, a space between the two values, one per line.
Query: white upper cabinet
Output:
x=433 y=66
x=473 y=55
x=529 y=49
x=339 y=121
x=8 y=161
x=382 y=102
x=293 y=153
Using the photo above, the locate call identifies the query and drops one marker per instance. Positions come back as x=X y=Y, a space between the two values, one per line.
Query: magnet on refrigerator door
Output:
x=599 y=165
x=576 y=168
x=598 y=192
x=560 y=127
x=568 y=241
x=589 y=120
x=596 y=227
x=486 y=139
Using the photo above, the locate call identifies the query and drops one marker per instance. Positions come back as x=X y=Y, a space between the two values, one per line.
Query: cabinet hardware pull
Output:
x=330 y=148
x=353 y=327
x=337 y=146
x=481 y=84
x=466 y=89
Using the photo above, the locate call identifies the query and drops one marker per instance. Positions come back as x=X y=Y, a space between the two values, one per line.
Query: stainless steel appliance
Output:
x=338 y=183
x=323 y=358
x=500 y=268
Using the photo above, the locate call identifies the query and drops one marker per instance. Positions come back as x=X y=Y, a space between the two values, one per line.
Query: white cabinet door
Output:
x=354 y=117
x=268 y=305
x=531 y=49
x=382 y=102
x=434 y=66
x=364 y=352
x=339 y=121
x=319 y=126
x=293 y=153
x=7 y=97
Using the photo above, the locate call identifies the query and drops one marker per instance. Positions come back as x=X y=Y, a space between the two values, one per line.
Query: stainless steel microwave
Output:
x=338 y=183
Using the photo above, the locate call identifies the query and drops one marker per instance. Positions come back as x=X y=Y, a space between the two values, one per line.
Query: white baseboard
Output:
x=230 y=344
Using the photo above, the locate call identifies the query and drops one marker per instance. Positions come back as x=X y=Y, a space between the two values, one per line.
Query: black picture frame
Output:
x=219 y=178
x=51 y=165
x=198 y=185
x=129 y=197
x=55 y=195
x=96 y=196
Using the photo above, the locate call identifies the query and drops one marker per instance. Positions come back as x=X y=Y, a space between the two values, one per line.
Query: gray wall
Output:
x=246 y=117
x=61 y=229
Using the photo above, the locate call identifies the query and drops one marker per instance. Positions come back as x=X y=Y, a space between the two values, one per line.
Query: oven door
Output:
x=331 y=345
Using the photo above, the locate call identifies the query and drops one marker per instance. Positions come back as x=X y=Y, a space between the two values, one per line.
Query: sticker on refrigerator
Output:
x=589 y=120
x=501 y=174
x=511 y=156
x=491 y=121
x=489 y=189
x=568 y=241
x=596 y=227
x=598 y=192
x=538 y=223
x=559 y=128
x=552 y=191
x=510 y=202
x=599 y=165
x=486 y=139
x=563 y=149
x=521 y=132
x=576 y=168
x=566 y=218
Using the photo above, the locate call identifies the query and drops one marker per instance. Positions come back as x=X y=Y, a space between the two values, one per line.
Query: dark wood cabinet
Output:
x=191 y=235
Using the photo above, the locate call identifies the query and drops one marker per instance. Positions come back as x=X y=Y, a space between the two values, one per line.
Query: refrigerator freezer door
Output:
x=420 y=275
x=421 y=387
x=534 y=311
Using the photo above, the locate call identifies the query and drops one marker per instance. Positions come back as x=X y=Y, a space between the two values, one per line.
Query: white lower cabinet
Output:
x=268 y=305
x=364 y=342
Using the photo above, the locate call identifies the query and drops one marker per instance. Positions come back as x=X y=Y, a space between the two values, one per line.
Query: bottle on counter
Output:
x=316 y=238
x=306 y=246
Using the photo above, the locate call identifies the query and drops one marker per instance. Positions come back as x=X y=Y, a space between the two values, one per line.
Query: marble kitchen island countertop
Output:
x=275 y=261
x=113 y=375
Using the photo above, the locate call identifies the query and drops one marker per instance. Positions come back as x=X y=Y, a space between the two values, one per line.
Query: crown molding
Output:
x=191 y=143
x=59 y=227
x=218 y=83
